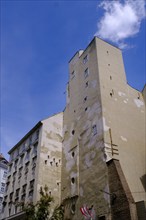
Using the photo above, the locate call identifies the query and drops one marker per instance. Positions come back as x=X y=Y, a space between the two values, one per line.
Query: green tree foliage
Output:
x=58 y=213
x=41 y=210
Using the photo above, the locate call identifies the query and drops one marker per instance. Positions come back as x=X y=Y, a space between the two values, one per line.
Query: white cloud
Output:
x=121 y=20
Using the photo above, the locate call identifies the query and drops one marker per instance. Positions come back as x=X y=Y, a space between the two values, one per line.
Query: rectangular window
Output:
x=23 y=147
x=31 y=186
x=17 y=193
x=11 y=196
x=24 y=189
x=2 y=189
x=30 y=195
x=23 y=197
x=85 y=99
x=30 y=140
x=87 y=84
x=5 y=175
x=94 y=129
x=21 y=160
x=9 y=212
x=85 y=59
x=72 y=74
x=3 y=184
x=35 y=150
x=86 y=73
x=37 y=134
x=27 y=156
x=11 y=156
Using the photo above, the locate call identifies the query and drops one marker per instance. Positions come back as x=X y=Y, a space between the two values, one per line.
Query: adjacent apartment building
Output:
x=91 y=156
x=104 y=149
x=3 y=177
x=35 y=161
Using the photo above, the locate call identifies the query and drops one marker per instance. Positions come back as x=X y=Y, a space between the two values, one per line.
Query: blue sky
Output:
x=38 y=38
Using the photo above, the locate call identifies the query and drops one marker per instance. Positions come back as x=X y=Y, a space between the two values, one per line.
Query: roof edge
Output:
x=26 y=136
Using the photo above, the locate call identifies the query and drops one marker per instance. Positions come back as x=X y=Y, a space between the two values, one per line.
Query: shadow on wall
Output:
x=143 y=180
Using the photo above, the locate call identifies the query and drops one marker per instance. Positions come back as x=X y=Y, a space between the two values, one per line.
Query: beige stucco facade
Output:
x=123 y=115
x=104 y=120
x=35 y=162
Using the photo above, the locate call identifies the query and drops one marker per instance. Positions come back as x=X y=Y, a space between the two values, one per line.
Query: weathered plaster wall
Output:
x=84 y=171
x=103 y=99
x=123 y=117
x=49 y=170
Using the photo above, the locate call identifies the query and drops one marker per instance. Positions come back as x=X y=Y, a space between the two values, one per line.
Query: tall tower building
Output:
x=35 y=161
x=104 y=157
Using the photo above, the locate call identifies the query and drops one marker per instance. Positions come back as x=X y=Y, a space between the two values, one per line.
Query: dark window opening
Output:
x=73 y=209
x=45 y=161
x=94 y=129
x=86 y=109
x=85 y=99
x=73 y=132
x=138 y=96
x=101 y=218
x=73 y=154
x=72 y=180
x=87 y=84
x=110 y=77
x=72 y=74
x=85 y=59
x=86 y=73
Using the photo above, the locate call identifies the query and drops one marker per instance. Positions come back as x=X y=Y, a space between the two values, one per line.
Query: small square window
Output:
x=86 y=73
